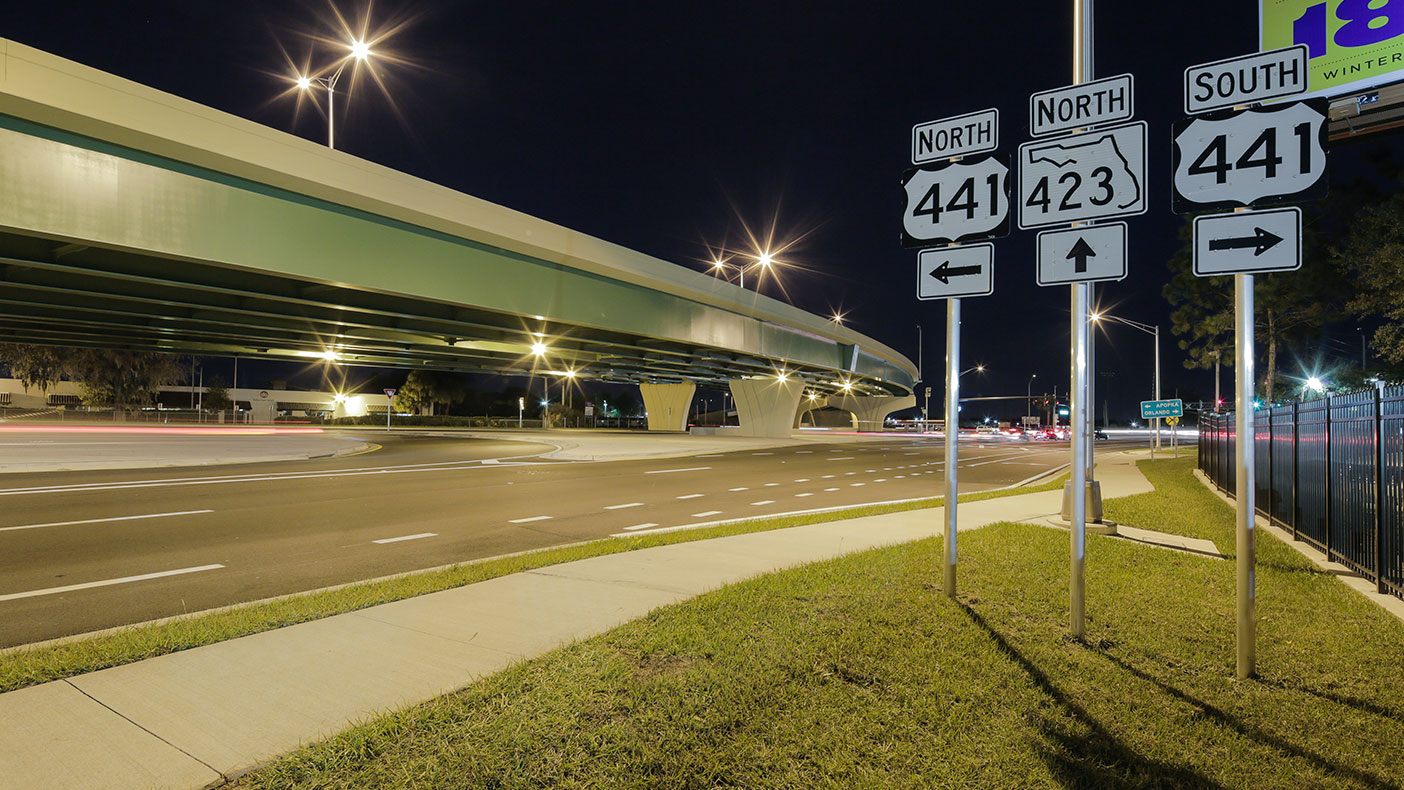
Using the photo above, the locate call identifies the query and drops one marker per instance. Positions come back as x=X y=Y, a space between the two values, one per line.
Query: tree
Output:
x=428 y=388
x=217 y=396
x=1374 y=253
x=1203 y=311
x=1289 y=307
x=37 y=367
x=121 y=379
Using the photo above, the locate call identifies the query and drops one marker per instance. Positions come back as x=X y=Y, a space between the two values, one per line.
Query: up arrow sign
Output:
x=1089 y=254
x=1260 y=242
x=1079 y=255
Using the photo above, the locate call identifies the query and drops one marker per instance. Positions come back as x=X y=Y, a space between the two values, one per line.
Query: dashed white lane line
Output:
x=911 y=453
x=764 y=502
x=803 y=452
x=690 y=496
x=640 y=526
x=762 y=453
x=850 y=473
x=831 y=489
x=768 y=485
x=706 y=513
x=711 y=455
x=621 y=507
x=527 y=520
x=841 y=458
x=880 y=480
x=806 y=494
x=670 y=471
x=407 y=537
x=802 y=480
x=104 y=520
x=106 y=582
x=742 y=488
x=856 y=485
x=825 y=477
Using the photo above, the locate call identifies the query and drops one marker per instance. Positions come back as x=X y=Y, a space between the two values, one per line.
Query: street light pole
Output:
x=1028 y=397
x=360 y=51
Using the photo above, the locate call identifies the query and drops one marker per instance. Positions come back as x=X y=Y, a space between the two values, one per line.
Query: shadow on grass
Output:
x=1098 y=758
x=1362 y=705
x=1248 y=731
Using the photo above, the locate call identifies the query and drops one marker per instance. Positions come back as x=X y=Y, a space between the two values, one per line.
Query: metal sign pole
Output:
x=1082 y=72
x=952 y=436
x=1244 y=481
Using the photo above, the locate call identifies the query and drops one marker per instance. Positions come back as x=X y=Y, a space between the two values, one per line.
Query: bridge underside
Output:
x=70 y=294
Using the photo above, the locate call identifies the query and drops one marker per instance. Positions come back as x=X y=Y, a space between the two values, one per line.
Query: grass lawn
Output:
x=30 y=667
x=858 y=673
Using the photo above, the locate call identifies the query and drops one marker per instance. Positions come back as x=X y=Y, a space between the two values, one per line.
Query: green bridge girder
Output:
x=131 y=218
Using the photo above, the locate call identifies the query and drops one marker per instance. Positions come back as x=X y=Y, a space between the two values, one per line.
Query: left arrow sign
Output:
x=952 y=272
x=946 y=271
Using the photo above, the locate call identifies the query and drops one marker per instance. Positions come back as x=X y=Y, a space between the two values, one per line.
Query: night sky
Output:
x=664 y=127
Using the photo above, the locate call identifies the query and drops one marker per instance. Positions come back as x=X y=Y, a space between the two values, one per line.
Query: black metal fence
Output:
x=1331 y=471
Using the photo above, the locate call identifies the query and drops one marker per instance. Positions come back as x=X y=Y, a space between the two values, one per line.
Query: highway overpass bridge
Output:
x=131 y=218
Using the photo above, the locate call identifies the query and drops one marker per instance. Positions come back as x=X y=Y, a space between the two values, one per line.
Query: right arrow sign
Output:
x=1248 y=242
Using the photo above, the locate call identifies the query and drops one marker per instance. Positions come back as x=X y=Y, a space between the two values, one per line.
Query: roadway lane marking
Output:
x=106 y=582
x=641 y=526
x=802 y=480
x=762 y=453
x=444 y=466
x=768 y=485
x=831 y=489
x=670 y=471
x=706 y=513
x=712 y=455
x=803 y=452
x=843 y=458
x=104 y=520
x=742 y=488
x=690 y=496
x=911 y=453
x=621 y=507
x=407 y=537
x=880 y=480
x=804 y=495
x=527 y=520
x=856 y=485
x=763 y=502
x=825 y=477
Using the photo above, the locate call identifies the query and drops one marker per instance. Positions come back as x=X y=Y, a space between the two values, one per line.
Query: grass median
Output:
x=857 y=672
x=29 y=667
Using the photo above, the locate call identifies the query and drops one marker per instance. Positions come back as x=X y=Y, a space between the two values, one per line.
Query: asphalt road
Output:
x=81 y=551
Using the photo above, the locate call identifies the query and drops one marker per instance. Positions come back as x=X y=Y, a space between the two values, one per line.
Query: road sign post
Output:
x=389 y=406
x=1244 y=158
x=953 y=201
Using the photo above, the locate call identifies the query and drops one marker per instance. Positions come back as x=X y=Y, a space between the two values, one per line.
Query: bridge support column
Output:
x=667 y=405
x=767 y=406
x=869 y=411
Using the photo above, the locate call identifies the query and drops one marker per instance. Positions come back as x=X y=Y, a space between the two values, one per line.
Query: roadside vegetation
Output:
x=858 y=672
x=32 y=666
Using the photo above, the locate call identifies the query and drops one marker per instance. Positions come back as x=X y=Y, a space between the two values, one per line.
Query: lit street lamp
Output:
x=1150 y=330
x=360 y=52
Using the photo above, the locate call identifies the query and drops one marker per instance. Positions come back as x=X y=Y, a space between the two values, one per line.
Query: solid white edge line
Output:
x=106 y=582
x=407 y=537
x=104 y=520
x=670 y=471
x=527 y=520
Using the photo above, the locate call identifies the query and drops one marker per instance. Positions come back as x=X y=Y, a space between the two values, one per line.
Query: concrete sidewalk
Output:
x=194 y=718
x=71 y=447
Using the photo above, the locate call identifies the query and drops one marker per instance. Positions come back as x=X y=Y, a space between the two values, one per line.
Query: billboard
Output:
x=1351 y=47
